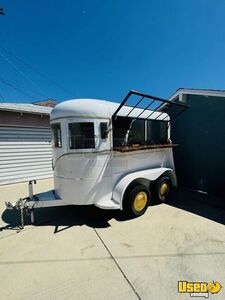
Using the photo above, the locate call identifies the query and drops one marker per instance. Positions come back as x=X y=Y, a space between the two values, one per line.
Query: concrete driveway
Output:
x=85 y=253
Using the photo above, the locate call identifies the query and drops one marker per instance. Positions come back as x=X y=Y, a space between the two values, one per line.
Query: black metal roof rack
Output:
x=155 y=104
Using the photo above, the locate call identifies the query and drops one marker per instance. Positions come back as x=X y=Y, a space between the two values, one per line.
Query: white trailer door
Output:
x=25 y=154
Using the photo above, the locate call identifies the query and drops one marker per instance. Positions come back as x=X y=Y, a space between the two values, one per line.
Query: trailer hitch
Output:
x=22 y=205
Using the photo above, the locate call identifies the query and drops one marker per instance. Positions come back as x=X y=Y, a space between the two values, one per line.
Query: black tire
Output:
x=162 y=189
x=136 y=200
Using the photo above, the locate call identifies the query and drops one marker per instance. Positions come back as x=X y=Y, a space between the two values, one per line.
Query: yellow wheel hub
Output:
x=140 y=201
x=164 y=189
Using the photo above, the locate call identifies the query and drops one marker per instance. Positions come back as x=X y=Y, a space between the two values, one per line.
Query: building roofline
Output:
x=25 y=108
x=25 y=111
x=204 y=92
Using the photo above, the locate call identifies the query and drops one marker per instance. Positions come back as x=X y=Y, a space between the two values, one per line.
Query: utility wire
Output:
x=38 y=72
x=10 y=84
x=23 y=74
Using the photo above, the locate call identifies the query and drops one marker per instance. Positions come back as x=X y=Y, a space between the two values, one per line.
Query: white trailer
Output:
x=111 y=155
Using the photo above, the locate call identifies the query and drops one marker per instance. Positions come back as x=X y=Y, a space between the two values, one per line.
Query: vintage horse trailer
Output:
x=111 y=155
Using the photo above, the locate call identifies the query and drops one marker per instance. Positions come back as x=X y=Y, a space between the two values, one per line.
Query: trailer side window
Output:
x=57 y=136
x=81 y=136
x=157 y=132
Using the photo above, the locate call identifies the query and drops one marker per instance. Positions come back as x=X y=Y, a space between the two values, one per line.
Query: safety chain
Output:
x=21 y=205
x=21 y=220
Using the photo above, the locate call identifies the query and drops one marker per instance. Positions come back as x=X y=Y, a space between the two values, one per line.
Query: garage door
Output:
x=25 y=154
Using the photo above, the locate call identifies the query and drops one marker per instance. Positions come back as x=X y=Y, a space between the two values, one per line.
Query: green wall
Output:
x=200 y=132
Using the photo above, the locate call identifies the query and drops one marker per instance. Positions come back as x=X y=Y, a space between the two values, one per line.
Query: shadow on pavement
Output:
x=65 y=216
x=203 y=205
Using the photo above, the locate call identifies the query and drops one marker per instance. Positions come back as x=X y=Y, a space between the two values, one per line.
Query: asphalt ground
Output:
x=80 y=252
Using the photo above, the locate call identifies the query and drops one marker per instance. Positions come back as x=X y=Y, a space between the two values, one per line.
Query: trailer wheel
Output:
x=162 y=189
x=136 y=201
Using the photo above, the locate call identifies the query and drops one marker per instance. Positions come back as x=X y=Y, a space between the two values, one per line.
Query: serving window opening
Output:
x=131 y=132
x=142 y=121
x=128 y=131
x=157 y=132
x=81 y=135
x=57 y=135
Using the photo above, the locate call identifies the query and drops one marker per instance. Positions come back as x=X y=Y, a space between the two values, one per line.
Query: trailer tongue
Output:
x=28 y=204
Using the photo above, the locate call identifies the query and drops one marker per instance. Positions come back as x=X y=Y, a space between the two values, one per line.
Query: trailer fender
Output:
x=142 y=177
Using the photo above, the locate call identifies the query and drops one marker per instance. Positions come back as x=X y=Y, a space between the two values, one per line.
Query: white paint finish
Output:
x=149 y=164
x=84 y=108
x=46 y=199
x=142 y=159
x=103 y=144
x=82 y=175
x=107 y=203
x=93 y=108
x=82 y=166
x=88 y=176
x=150 y=175
x=83 y=191
x=100 y=144
x=25 y=154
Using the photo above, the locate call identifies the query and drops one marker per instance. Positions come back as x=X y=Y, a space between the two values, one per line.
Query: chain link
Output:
x=21 y=206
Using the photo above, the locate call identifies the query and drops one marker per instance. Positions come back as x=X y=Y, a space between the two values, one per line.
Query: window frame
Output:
x=78 y=121
x=103 y=130
x=60 y=134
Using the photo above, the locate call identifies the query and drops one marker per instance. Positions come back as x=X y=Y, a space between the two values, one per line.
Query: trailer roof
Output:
x=93 y=108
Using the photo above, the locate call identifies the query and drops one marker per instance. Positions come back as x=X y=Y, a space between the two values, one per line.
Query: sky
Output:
x=104 y=48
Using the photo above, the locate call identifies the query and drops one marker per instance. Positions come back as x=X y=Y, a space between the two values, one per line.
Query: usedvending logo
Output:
x=199 y=289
